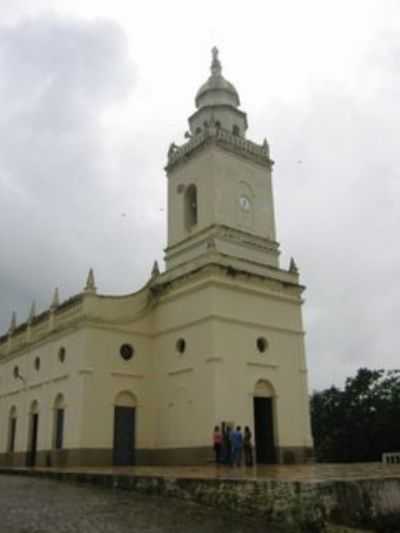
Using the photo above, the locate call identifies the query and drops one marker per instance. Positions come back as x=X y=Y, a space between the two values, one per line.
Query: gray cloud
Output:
x=338 y=191
x=56 y=172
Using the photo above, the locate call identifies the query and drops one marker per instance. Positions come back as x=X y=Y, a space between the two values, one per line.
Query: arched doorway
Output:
x=124 y=429
x=33 y=434
x=264 y=431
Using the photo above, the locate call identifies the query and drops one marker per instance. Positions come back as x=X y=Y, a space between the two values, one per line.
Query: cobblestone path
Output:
x=45 y=506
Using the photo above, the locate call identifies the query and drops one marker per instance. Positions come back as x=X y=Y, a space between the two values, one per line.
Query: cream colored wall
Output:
x=43 y=386
x=175 y=392
x=234 y=176
x=179 y=397
x=108 y=375
x=120 y=311
x=220 y=319
x=242 y=318
x=185 y=382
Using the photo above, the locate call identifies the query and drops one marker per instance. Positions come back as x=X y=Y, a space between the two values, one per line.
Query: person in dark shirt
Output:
x=227 y=445
x=217 y=443
x=247 y=447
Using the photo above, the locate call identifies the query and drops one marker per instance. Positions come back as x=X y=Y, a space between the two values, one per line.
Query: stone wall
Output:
x=298 y=506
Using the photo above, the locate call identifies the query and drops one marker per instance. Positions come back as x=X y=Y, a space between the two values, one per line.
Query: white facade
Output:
x=216 y=337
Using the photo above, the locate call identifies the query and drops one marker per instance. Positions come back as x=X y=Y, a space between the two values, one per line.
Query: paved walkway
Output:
x=307 y=473
x=30 y=505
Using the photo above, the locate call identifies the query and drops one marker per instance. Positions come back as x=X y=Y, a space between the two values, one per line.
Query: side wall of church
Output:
x=184 y=378
x=38 y=392
x=108 y=378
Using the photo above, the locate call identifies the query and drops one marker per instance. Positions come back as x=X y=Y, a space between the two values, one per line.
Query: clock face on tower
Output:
x=244 y=202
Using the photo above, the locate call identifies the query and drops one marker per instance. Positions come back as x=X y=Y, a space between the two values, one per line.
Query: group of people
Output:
x=231 y=444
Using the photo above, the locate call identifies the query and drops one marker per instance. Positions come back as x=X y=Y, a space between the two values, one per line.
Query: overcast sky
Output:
x=92 y=93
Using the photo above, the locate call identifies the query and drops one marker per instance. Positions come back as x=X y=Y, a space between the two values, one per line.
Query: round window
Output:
x=61 y=354
x=262 y=344
x=181 y=345
x=126 y=351
x=37 y=363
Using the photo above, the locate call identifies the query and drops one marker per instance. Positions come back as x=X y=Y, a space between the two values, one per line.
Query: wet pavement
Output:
x=31 y=505
x=305 y=472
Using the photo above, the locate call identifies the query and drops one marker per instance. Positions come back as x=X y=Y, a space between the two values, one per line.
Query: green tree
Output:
x=360 y=422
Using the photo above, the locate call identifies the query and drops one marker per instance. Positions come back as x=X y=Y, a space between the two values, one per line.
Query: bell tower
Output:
x=219 y=185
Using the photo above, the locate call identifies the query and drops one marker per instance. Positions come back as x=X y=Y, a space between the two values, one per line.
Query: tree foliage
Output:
x=360 y=422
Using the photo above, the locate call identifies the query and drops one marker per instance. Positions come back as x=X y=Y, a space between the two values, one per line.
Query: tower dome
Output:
x=217 y=102
x=216 y=90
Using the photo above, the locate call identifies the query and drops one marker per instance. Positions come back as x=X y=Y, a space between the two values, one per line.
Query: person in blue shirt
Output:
x=237 y=445
x=226 y=443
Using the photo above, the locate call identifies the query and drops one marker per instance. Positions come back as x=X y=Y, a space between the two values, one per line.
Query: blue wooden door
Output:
x=124 y=436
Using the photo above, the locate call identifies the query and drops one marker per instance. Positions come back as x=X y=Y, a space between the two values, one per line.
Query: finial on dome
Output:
x=216 y=67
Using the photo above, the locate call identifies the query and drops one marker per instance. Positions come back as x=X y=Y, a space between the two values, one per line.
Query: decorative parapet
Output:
x=219 y=136
x=38 y=324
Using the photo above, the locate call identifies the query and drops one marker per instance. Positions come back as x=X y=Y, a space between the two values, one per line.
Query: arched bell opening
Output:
x=190 y=207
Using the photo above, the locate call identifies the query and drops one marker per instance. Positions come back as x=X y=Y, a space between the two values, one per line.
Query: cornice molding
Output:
x=213 y=274
x=225 y=234
x=228 y=320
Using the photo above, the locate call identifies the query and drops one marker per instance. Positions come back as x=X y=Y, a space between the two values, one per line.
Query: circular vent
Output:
x=126 y=351
x=181 y=345
x=262 y=344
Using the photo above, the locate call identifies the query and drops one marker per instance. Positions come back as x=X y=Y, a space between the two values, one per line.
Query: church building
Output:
x=216 y=337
